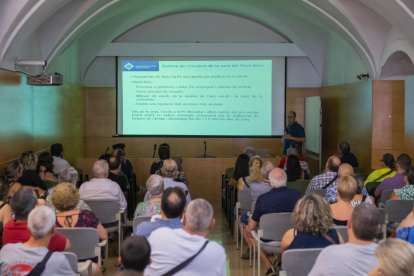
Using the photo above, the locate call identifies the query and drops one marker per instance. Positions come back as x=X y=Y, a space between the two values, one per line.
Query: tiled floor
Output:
x=220 y=233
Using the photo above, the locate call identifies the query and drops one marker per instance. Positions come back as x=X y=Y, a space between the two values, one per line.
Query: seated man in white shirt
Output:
x=21 y=258
x=172 y=247
x=59 y=162
x=357 y=256
x=169 y=170
x=100 y=187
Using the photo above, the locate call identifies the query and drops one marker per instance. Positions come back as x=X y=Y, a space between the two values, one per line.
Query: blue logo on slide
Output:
x=140 y=66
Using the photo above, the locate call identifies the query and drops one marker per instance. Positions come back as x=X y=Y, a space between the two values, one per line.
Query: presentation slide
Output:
x=197 y=98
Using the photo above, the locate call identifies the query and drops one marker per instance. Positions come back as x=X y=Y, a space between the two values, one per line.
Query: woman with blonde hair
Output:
x=255 y=174
x=30 y=177
x=395 y=258
x=313 y=225
x=342 y=210
x=65 y=198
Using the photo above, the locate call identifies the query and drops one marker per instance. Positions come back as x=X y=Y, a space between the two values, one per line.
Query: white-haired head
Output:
x=41 y=221
x=199 y=215
x=100 y=169
x=277 y=178
x=69 y=175
x=292 y=151
x=155 y=185
x=267 y=168
x=249 y=151
x=169 y=168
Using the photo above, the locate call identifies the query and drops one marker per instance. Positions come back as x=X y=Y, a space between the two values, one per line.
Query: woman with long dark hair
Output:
x=241 y=169
x=293 y=169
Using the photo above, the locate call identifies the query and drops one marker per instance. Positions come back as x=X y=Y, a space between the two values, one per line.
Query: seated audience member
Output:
x=59 y=162
x=293 y=170
x=181 y=176
x=255 y=175
x=30 y=177
x=294 y=145
x=5 y=210
x=395 y=257
x=362 y=193
x=332 y=190
x=342 y=210
x=45 y=170
x=330 y=177
x=303 y=164
x=69 y=175
x=172 y=207
x=22 y=202
x=65 y=198
x=355 y=257
x=126 y=166
x=241 y=169
x=135 y=254
x=13 y=170
x=163 y=154
x=347 y=157
x=249 y=151
x=114 y=169
x=155 y=186
x=387 y=169
x=256 y=190
x=168 y=170
x=171 y=247
x=397 y=181
x=100 y=187
x=407 y=192
x=279 y=200
x=313 y=227
x=21 y=258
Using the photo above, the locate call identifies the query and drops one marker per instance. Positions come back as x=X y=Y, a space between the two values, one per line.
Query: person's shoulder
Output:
x=161 y=233
x=216 y=248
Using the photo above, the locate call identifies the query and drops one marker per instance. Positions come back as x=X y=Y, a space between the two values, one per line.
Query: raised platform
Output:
x=203 y=174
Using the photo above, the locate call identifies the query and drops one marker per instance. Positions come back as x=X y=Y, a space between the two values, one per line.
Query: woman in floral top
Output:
x=155 y=186
x=406 y=192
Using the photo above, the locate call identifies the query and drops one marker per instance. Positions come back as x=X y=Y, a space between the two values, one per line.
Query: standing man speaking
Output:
x=293 y=132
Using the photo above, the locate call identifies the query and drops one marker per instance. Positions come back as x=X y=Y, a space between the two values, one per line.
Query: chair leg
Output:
x=106 y=251
x=236 y=226
x=254 y=259
x=250 y=253
x=384 y=231
x=258 y=257
x=241 y=242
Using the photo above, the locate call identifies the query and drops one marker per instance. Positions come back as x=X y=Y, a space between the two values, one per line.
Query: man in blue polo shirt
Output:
x=293 y=132
x=278 y=200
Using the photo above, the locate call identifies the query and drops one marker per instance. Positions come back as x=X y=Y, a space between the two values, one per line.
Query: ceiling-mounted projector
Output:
x=41 y=79
x=45 y=79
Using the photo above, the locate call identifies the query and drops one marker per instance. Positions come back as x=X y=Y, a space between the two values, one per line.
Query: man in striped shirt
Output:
x=331 y=172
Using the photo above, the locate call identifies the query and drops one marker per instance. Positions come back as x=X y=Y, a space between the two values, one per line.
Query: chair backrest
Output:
x=299 y=185
x=320 y=192
x=383 y=215
x=343 y=231
x=386 y=195
x=397 y=210
x=262 y=153
x=371 y=185
x=363 y=175
x=83 y=241
x=229 y=173
x=275 y=225
x=252 y=207
x=105 y=210
x=245 y=199
x=357 y=170
x=306 y=258
x=73 y=260
x=138 y=220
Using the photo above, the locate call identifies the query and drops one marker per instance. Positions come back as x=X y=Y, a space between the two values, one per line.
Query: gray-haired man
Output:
x=171 y=247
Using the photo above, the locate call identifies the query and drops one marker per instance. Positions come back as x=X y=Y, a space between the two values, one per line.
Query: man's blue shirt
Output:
x=145 y=228
x=297 y=131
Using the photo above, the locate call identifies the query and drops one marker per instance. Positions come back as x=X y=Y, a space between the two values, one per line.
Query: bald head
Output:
x=332 y=165
x=277 y=178
x=345 y=169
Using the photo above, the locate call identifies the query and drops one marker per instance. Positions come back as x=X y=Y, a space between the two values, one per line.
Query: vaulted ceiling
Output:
x=375 y=29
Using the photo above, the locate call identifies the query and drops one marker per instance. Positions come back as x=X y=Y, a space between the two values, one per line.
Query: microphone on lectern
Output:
x=106 y=150
x=155 y=147
x=205 y=149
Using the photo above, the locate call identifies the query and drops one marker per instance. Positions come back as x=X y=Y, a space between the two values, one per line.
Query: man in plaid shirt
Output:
x=320 y=181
